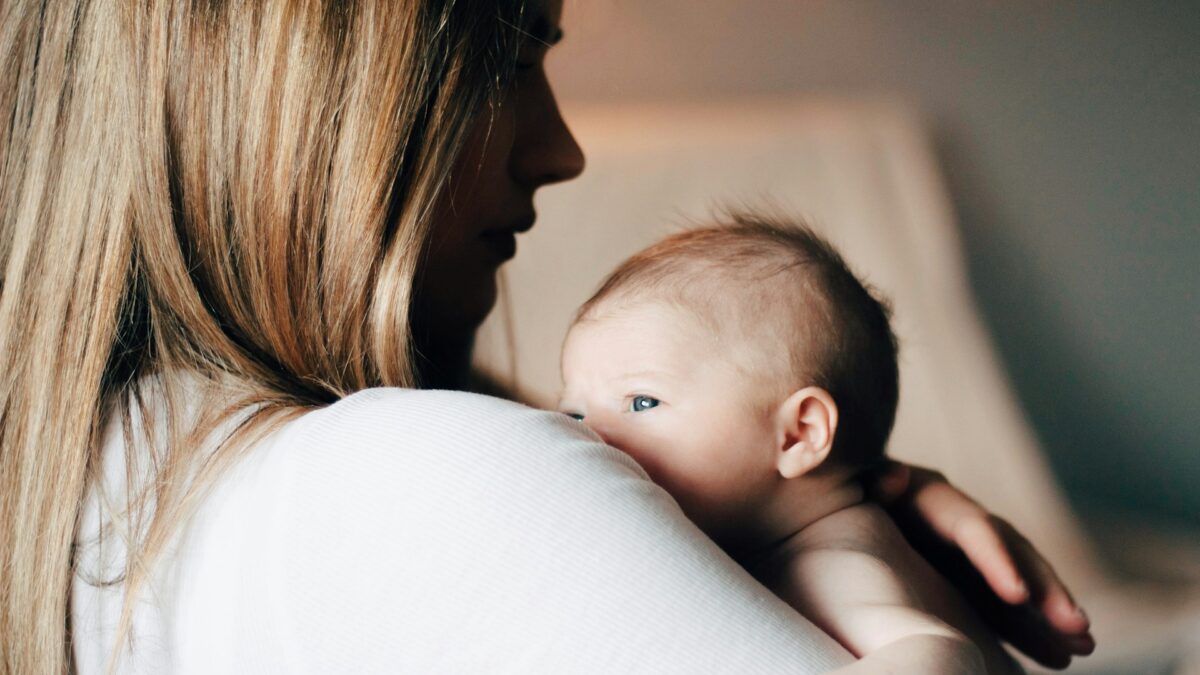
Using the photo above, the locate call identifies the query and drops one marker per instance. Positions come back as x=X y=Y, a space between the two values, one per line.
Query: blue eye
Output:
x=640 y=403
x=574 y=416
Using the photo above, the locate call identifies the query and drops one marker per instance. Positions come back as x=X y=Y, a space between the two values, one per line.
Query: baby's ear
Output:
x=806 y=424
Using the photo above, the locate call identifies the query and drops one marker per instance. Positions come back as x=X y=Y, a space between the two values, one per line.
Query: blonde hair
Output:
x=239 y=190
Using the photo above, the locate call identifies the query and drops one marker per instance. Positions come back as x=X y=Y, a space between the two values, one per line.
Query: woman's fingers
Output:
x=986 y=549
x=889 y=483
x=963 y=523
x=1022 y=587
x=1050 y=594
x=1046 y=590
x=1026 y=630
x=1050 y=626
x=1007 y=579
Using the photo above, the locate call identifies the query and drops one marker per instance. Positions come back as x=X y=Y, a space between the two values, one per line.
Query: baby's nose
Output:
x=596 y=424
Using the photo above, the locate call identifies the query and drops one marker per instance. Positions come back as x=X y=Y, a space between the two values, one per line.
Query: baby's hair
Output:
x=835 y=329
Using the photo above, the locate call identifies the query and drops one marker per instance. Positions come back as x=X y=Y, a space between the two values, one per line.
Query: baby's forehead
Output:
x=620 y=340
x=630 y=319
x=729 y=304
x=759 y=339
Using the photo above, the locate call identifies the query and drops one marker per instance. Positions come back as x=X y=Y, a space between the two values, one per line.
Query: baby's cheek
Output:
x=691 y=468
x=668 y=461
x=644 y=448
x=729 y=464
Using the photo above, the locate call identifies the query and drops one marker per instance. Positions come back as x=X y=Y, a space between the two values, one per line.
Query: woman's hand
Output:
x=1007 y=581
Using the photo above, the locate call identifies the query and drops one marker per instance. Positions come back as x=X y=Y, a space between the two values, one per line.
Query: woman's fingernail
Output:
x=1020 y=588
x=1082 y=645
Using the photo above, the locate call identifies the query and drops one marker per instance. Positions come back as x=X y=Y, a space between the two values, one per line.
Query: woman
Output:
x=241 y=242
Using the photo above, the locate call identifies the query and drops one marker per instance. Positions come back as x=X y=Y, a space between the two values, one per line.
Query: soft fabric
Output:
x=426 y=531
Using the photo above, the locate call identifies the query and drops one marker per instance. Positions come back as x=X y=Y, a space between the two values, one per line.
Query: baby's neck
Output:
x=797 y=504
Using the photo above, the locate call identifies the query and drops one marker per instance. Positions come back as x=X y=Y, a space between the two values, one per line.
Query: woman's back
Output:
x=404 y=530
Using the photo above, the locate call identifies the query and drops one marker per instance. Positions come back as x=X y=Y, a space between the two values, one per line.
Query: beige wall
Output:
x=1070 y=135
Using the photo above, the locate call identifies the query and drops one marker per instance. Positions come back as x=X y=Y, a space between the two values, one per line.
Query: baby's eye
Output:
x=574 y=416
x=640 y=403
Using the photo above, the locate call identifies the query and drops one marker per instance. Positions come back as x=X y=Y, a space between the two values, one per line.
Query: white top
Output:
x=431 y=531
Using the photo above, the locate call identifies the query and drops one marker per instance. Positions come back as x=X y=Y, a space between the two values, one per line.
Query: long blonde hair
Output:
x=240 y=190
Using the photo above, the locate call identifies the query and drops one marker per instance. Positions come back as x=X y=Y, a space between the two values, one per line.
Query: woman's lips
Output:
x=501 y=242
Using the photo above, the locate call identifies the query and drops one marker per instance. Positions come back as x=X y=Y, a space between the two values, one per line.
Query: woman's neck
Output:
x=444 y=362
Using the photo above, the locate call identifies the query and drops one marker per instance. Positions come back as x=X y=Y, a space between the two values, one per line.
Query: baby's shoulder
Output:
x=859 y=543
x=861 y=553
x=863 y=529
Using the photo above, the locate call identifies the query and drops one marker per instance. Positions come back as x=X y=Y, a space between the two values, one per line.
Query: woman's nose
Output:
x=568 y=160
x=548 y=152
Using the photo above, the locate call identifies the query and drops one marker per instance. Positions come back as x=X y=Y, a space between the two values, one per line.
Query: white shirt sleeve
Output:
x=419 y=531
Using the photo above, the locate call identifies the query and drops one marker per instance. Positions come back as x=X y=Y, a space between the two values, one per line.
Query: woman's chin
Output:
x=456 y=310
x=444 y=330
x=475 y=309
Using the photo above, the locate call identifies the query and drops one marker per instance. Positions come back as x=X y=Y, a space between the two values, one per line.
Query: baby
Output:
x=754 y=377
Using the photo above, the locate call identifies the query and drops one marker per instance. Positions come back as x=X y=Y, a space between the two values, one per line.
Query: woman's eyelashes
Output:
x=640 y=403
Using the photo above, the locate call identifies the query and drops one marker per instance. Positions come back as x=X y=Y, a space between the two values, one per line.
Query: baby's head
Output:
x=731 y=359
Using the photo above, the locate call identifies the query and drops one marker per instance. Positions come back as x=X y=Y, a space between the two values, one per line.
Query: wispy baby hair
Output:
x=774 y=281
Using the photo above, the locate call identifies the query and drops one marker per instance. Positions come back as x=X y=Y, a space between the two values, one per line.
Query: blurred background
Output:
x=1068 y=133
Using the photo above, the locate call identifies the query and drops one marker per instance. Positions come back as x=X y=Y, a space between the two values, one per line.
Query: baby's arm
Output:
x=862 y=602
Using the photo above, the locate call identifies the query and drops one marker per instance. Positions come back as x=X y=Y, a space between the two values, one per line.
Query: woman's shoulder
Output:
x=384 y=408
x=401 y=530
x=388 y=419
x=349 y=516
x=459 y=441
